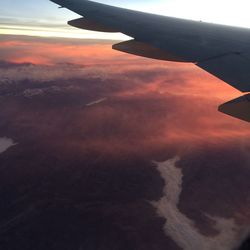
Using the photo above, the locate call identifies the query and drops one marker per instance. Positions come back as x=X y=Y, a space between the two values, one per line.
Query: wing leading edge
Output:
x=221 y=50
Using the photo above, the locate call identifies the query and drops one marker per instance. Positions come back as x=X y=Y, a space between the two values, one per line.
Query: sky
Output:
x=43 y=18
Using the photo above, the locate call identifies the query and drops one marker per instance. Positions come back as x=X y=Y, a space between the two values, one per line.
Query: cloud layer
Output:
x=91 y=119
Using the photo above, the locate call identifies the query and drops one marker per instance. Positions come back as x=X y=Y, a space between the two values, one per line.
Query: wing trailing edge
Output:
x=232 y=68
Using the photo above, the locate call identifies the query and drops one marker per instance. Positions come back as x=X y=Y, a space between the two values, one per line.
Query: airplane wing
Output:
x=223 y=51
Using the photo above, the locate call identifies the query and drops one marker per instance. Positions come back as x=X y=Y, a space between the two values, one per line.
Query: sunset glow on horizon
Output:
x=44 y=19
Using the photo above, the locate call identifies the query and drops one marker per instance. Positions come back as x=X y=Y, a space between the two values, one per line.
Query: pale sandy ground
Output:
x=180 y=228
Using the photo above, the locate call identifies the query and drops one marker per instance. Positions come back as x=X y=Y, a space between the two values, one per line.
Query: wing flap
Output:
x=146 y=50
x=83 y=23
x=239 y=108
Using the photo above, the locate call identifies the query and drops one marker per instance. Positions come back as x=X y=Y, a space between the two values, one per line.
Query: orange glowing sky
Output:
x=191 y=116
